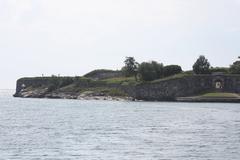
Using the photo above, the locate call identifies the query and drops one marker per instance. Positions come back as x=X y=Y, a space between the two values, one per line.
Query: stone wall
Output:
x=186 y=86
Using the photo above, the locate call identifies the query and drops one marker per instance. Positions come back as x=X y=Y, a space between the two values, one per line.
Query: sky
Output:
x=73 y=37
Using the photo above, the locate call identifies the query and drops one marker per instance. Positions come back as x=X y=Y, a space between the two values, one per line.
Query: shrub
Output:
x=58 y=82
x=235 y=68
x=150 y=71
x=52 y=87
x=158 y=67
x=53 y=83
x=171 y=70
x=64 y=81
x=79 y=81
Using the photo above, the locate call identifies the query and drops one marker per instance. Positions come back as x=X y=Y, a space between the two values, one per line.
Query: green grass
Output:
x=70 y=88
x=94 y=72
x=131 y=80
x=220 y=95
x=176 y=76
x=105 y=90
x=121 y=81
x=77 y=85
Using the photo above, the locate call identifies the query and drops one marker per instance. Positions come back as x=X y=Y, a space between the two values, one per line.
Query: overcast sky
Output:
x=72 y=37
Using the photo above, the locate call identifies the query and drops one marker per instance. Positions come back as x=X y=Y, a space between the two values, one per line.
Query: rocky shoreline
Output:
x=88 y=95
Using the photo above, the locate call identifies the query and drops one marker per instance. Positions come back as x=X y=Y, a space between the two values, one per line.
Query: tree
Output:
x=150 y=71
x=235 y=67
x=201 y=66
x=131 y=67
x=158 y=68
x=171 y=70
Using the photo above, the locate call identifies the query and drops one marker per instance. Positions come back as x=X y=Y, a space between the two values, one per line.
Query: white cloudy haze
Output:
x=72 y=37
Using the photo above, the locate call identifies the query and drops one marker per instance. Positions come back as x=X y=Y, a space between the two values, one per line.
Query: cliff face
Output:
x=34 y=83
x=168 y=89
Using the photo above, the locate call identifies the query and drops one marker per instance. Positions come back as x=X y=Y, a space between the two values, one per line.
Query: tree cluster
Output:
x=171 y=70
x=201 y=66
x=235 y=68
x=149 y=71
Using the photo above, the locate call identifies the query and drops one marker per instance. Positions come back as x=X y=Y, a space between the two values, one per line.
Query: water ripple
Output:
x=36 y=129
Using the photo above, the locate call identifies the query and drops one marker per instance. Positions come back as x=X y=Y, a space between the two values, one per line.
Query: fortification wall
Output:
x=186 y=86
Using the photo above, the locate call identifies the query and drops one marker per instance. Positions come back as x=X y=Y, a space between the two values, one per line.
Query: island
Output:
x=148 y=81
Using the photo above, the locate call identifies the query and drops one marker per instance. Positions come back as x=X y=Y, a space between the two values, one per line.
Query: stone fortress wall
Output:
x=187 y=86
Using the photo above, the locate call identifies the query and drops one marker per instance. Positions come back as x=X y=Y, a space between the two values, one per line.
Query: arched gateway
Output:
x=218 y=83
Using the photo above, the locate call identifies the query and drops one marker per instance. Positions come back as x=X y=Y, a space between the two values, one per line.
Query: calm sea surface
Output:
x=100 y=130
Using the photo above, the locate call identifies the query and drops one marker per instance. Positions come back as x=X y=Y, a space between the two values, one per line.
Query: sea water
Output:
x=34 y=129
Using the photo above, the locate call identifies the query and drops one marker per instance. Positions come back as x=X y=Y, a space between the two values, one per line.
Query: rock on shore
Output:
x=87 y=95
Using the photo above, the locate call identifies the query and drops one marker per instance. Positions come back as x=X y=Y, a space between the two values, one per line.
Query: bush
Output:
x=158 y=67
x=150 y=71
x=79 y=81
x=235 y=68
x=52 y=87
x=53 y=83
x=64 y=81
x=171 y=70
x=58 y=82
x=201 y=66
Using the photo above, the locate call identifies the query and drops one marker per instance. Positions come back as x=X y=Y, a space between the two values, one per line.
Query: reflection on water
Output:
x=71 y=129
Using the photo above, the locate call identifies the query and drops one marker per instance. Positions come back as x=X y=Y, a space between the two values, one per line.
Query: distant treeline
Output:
x=149 y=71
